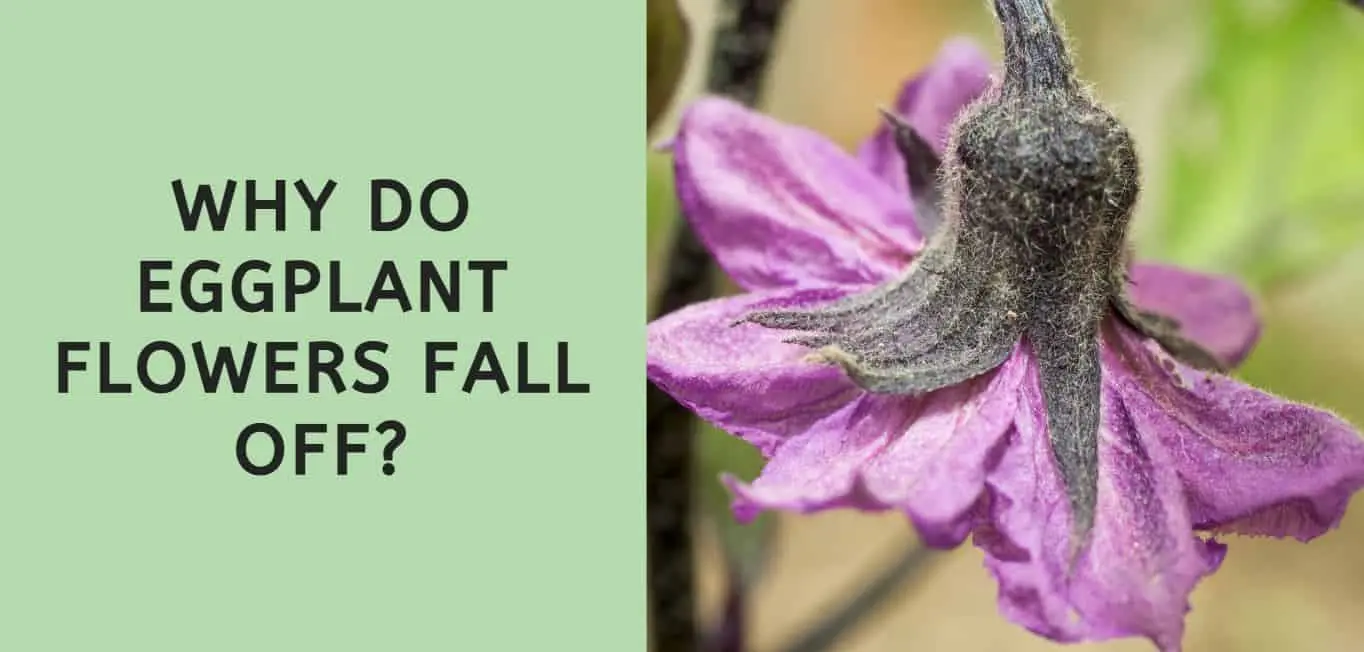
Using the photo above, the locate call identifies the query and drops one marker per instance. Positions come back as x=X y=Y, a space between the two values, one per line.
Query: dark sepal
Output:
x=950 y=318
x=1165 y=331
x=1072 y=383
x=921 y=167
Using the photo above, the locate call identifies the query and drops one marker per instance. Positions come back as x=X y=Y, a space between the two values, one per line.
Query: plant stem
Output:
x=854 y=613
x=742 y=49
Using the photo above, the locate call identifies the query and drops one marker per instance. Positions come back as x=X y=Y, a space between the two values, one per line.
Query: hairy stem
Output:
x=1035 y=55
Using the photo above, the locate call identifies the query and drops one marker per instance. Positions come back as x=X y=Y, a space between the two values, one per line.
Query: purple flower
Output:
x=947 y=324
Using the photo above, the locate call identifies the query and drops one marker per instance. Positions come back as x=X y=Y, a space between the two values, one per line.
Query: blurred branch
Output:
x=874 y=596
x=740 y=54
x=732 y=633
x=744 y=34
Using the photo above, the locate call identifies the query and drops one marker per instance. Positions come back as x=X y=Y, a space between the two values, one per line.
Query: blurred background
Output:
x=1249 y=116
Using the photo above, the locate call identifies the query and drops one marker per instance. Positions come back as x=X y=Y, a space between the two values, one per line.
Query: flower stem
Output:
x=739 y=57
x=1035 y=55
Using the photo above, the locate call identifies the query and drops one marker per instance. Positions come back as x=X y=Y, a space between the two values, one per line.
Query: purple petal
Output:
x=927 y=456
x=1142 y=560
x=1251 y=463
x=744 y=379
x=780 y=206
x=930 y=102
x=1213 y=311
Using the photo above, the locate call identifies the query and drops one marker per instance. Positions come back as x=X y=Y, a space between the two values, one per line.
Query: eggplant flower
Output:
x=949 y=324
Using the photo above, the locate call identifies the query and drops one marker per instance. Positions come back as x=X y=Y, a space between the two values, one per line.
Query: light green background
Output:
x=513 y=522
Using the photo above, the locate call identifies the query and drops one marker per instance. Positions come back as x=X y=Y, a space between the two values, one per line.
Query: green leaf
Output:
x=1268 y=148
x=669 y=41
